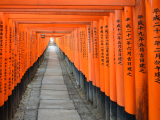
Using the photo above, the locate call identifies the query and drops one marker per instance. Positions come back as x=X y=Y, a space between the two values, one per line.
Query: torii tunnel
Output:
x=111 y=46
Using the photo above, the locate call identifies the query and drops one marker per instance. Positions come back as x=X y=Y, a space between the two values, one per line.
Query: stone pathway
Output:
x=55 y=103
x=53 y=93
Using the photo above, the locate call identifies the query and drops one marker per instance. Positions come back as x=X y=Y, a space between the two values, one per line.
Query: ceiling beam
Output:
x=69 y=2
x=62 y=13
x=96 y=7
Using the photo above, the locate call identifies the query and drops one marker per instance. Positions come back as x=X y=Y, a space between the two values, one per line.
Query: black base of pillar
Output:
x=78 y=77
x=107 y=108
x=113 y=110
x=90 y=91
x=94 y=97
x=68 y=62
x=29 y=74
x=20 y=91
x=128 y=116
x=10 y=107
x=87 y=91
x=120 y=112
x=81 y=81
x=102 y=100
x=13 y=101
x=98 y=99
x=2 y=112
x=85 y=84
x=17 y=96
x=72 y=67
x=6 y=110
x=22 y=86
x=74 y=70
x=27 y=78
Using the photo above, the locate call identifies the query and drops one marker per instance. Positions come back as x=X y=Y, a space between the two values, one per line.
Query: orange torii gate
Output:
x=119 y=46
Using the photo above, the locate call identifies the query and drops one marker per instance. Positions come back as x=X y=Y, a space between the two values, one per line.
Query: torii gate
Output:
x=138 y=24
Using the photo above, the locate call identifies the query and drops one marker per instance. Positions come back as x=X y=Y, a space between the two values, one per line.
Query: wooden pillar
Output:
x=153 y=45
x=96 y=57
x=101 y=64
x=106 y=68
x=119 y=64
x=87 y=63
x=129 y=71
x=6 y=66
x=90 y=62
x=112 y=70
x=2 y=66
x=93 y=68
x=10 y=82
x=101 y=56
x=140 y=49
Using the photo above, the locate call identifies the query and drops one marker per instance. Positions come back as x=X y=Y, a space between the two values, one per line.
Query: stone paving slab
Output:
x=54 y=87
x=53 y=65
x=58 y=68
x=50 y=71
x=53 y=70
x=52 y=114
x=53 y=74
x=53 y=82
x=52 y=78
x=53 y=55
x=53 y=62
x=57 y=104
x=50 y=94
x=53 y=59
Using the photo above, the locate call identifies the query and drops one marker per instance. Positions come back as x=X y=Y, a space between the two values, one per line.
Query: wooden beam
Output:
x=96 y=7
x=53 y=29
x=54 y=20
x=53 y=33
x=31 y=16
x=52 y=25
x=62 y=13
x=69 y=2
x=51 y=10
x=57 y=22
